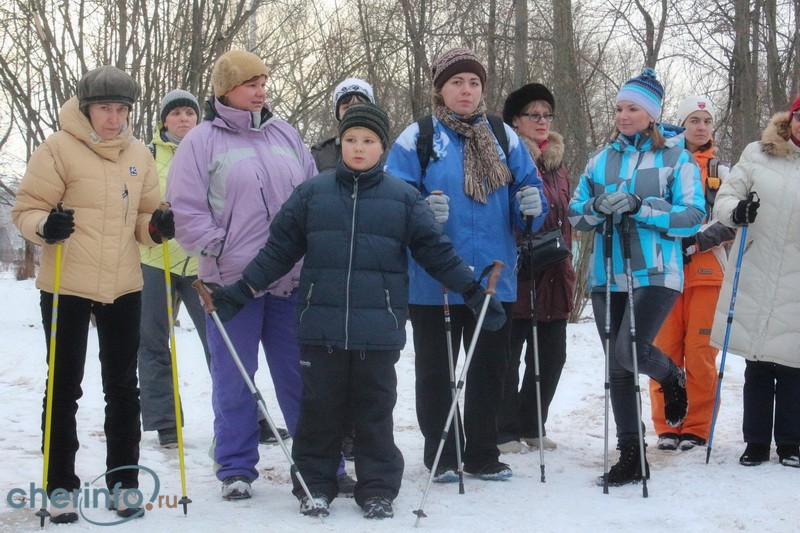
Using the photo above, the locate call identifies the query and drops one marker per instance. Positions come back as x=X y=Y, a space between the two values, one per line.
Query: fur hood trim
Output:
x=776 y=140
x=553 y=155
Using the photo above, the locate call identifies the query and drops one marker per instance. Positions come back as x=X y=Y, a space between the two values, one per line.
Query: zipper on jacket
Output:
x=263 y=197
x=389 y=308
x=127 y=199
x=350 y=267
x=308 y=302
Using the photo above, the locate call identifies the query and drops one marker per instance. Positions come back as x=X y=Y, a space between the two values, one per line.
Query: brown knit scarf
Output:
x=484 y=171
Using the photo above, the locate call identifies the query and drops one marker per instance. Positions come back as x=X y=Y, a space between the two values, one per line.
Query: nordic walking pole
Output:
x=727 y=338
x=626 y=253
x=450 y=361
x=51 y=372
x=211 y=309
x=535 y=331
x=491 y=284
x=185 y=501
x=608 y=242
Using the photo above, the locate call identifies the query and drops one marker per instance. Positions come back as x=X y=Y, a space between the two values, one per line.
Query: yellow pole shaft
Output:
x=51 y=368
x=173 y=352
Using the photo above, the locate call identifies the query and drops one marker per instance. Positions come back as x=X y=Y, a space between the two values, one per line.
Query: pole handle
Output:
x=528 y=220
x=164 y=205
x=205 y=296
x=494 y=275
x=625 y=226
x=437 y=192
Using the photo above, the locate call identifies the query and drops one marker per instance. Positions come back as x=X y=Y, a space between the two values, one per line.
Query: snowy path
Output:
x=685 y=493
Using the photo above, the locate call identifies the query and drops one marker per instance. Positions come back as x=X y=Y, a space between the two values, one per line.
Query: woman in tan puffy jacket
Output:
x=94 y=187
x=765 y=328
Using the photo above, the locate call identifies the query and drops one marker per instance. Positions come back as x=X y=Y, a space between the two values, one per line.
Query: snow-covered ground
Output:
x=685 y=494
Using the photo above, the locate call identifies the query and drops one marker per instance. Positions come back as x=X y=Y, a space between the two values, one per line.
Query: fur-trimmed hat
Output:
x=235 y=67
x=519 y=99
x=178 y=98
x=455 y=61
x=107 y=84
x=349 y=87
x=694 y=103
x=645 y=91
x=366 y=115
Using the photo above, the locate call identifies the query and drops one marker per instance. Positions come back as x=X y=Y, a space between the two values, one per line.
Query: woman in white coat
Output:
x=765 y=327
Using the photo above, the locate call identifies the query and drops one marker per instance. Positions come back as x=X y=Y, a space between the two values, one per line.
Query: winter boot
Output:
x=534 y=442
x=316 y=507
x=236 y=488
x=168 y=438
x=676 y=404
x=267 y=436
x=346 y=485
x=123 y=511
x=378 y=507
x=494 y=471
x=64 y=514
x=789 y=455
x=628 y=469
x=754 y=454
x=445 y=474
x=668 y=441
x=512 y=446
x=689 y=441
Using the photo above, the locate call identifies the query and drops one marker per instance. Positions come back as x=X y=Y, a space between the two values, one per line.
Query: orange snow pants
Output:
x=685 y=337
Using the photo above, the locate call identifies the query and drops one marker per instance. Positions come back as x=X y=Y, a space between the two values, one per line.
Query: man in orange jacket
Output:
x=686 y=333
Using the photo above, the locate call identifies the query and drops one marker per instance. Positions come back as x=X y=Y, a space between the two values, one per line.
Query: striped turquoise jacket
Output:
x=673 y=206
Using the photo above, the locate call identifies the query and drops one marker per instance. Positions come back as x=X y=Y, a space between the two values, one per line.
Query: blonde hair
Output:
x=659 y=141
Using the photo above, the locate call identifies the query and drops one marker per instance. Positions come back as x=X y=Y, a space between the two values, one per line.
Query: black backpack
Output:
x=425 y=139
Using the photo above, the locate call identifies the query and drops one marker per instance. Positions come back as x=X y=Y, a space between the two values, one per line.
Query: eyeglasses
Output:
x=536 y=117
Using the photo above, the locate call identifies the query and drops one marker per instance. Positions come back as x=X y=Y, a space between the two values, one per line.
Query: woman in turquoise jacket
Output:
x=646 y=180
x=485 y=194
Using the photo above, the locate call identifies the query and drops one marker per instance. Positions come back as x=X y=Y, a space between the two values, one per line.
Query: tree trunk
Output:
x=744 y=112
x=521 y=63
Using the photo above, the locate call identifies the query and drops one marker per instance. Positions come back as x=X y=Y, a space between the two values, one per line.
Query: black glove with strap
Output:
x=60 y=224
x=230 y=299
x=474 y=296
x=162 y=225
x=746 y=210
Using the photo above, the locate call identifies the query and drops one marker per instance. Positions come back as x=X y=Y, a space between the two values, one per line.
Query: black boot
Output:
x=628 y=469
x=676 y=404
x=754 y=454
x=789 y=455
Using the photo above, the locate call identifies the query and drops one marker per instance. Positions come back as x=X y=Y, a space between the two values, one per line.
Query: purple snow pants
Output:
x=271 y=321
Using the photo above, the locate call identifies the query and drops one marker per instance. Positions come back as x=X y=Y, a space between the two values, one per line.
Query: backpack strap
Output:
x=425 y=138
x=425 y=142
x=499 y=130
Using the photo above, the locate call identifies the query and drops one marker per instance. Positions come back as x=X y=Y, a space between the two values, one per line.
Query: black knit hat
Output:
x=107 y=84
x=517 y=100
x=366 y=115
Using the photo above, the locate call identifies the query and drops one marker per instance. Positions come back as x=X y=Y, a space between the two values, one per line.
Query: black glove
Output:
x=688 y=247
x=230 y=299
x=59 y=225
x=524 y=260
x=746 y=210
x=495 y=314
x=162 y=225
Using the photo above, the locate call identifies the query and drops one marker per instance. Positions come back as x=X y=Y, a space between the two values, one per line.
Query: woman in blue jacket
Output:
x=484 y=196
x=643 y=177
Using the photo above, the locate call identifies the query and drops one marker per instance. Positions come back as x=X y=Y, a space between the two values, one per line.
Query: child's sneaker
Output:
x=316 y=507
x=668 y=441
x=168 y=438
x=236 y=488
x=789 y=455
x=535 y=442
x=67 y=514
x=346 y=485
x=689 y=441
x=512 y=446
x=494 y=471
x=378 y=507
x=266 y=436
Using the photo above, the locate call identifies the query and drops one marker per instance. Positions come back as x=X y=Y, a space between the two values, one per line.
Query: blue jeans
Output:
x=652 y=305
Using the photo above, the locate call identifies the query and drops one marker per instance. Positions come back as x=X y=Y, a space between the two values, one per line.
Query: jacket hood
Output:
x=553 y=154
x=77 y=124
x=235 y=119
x=776 y=139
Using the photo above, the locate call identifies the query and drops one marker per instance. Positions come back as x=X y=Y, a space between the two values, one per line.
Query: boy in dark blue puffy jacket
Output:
x=353 y=225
